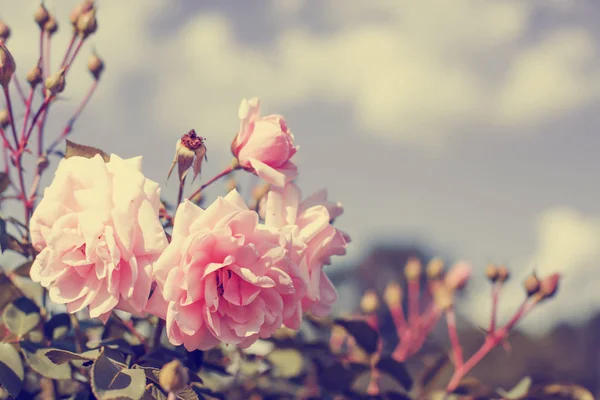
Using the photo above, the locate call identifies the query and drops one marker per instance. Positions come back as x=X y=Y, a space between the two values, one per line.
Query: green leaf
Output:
x=8 y=292
x=396 y=370
x=23 y=269
x=80 y=150
x=4 y=181
x=21 y=316
x=520 y=390
x=59 y=357
x=11 y=369
x=288 y=363
x=366 y=337
x=38 y=360
x=58 y=326
x=110 y=381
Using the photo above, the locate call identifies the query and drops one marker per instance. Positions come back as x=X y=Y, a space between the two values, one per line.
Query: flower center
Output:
x=221 y=280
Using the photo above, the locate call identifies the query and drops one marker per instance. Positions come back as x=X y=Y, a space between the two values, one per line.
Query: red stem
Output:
x=221 y=174
x=496 y=287
x=19 y=89
x=47 y=59
x=11 y=114
x=397 y=312
x=453 y=334
x=28 y=104
x=68 y=52
x=79 y=44
x=413 y=300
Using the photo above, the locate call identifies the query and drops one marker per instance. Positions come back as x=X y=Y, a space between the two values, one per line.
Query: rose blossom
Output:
x=315 y=240
x=264 y=145
x=225 y=278
x=98 y=233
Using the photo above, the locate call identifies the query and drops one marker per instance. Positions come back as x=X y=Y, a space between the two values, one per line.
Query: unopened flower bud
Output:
x=87 y=23
x=189 y=153
x=4 y=118
x=55 y=83
x=41 y=16
x=79 y=9
x=95 y=66
x=492 y=272
x=369 y=302
x=34 y=76
x=435 y=268
x=392 y=295
x=4 y=31
x=413 y=268
x=532 y=285
x=443 y=296
x=549 y=286
x=458 y=276
x=503 y=274
x=173 y=376
x=7 y=65
x=51 y=26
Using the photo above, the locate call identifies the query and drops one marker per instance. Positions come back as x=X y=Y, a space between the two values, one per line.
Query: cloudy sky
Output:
x=470 y=125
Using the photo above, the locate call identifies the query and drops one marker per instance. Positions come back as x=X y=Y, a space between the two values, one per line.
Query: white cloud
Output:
x=568 y=242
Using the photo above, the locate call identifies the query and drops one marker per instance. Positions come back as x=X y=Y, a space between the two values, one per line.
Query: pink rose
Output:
x=98 y=233
x=225 y=278
x=315 y=240
x=264 y=145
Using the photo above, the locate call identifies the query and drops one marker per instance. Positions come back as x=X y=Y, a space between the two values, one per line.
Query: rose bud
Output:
x=34 y=76
x=7 y=65
x=95 y=66
x=173 y=376
x=492 y=272
x=435 y=268
x=4 y=31
x=532 y=285
x=369 y=302
x=55 y=83
x=41 y=16
x=79 y=9
x=4 y=118
x=264 y=145
x=549 y=286
x=189 y=152
x=503 y=274
x=87 y=23
x=392 y=295
x=51 y=26
x=458 y=276
x=412 y=270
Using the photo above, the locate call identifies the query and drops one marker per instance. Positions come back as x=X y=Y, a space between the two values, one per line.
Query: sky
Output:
x=469 y=125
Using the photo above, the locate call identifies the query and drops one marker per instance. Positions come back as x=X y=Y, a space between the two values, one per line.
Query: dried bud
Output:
x=7 y=65
x=95 y=66
x=4 y=118
x=532 y=285
x=549 y=286
x=435 y=268
x=87 y=23
x=42 y=164
x=55 y=83
x=458 y=276
x=173 y=376
x=51 y=26
x=41 y=16
x=189 y=152
x=369 y=302
x=34 y=76
x=492 y=272
x=4 y=31
x=443 y=296
x=503 y=274
x=413 y=268
x=392 y=295
x=79 y=9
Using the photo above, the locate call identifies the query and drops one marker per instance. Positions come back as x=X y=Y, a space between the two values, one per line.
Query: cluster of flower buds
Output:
x=83 y=18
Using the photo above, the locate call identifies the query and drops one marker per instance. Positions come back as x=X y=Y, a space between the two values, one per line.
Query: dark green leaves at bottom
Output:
x=80 y=150
x=396 y=370
x=40 y=363
x=11 y=369
x=366 y=337
x=110 y=381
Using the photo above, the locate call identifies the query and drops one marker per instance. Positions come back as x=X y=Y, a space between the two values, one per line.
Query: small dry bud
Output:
x=532 y=285
x=503 y=274
x=95 y=66
x=443 y=296
x=492 y=272
x=413 y=268
x=87 y=23
x=79 y=9
x=51 y=26
x=34 y=76
x=173 y=376
x=369 y=302
x=458 y=276
x=7 y=65
x=4 y=31
x=4 y=118
x=189 y=153
x=41 y=16
x=55 y=83
x=549 y=286
x=435 y=268
x=392 y=295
